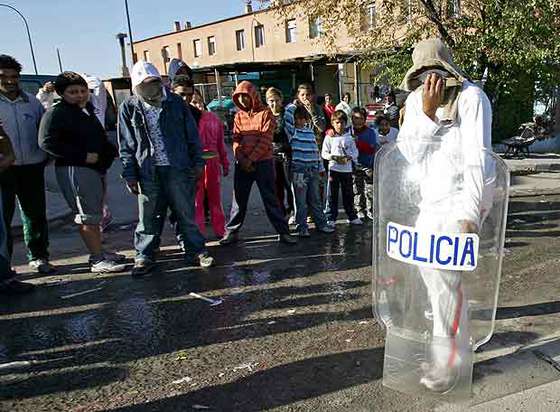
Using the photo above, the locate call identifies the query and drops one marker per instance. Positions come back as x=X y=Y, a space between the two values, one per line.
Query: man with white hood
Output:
x=446 y=127
x=162 y=160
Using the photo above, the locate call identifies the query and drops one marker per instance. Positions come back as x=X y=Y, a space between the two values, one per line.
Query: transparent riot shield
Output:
x=438 y=239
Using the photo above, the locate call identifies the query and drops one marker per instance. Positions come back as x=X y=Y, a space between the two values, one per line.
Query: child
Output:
x=387 y=134
x=307 y=169
x=253 y=130
x=340 y=150
x=211 y=132
x=366 y=142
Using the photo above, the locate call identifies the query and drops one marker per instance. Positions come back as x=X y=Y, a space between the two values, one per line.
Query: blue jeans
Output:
x=243 y=181
x=306 y=183
x=5 y=266
x=169 y=188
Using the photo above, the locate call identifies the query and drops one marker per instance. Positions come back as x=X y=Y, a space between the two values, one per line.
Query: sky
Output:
x=84 y=30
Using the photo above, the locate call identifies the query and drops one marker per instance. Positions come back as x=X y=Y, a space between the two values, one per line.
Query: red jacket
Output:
x=253 y=127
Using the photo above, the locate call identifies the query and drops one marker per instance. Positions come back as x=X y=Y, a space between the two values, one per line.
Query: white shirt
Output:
x=390 y=137
x=156 y=136
x=340 y=146
x=448 y=162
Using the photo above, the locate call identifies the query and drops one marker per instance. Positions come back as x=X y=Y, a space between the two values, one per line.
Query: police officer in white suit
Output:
x=447 y=125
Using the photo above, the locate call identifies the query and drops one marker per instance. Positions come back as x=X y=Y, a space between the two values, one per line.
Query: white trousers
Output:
x=447 y=301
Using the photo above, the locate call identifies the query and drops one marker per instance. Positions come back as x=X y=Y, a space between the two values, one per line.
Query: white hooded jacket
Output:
x=449 y=161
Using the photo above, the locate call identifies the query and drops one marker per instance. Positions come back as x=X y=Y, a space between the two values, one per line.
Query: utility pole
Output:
x=28 y=33
x=59 y=60
x=130 y=32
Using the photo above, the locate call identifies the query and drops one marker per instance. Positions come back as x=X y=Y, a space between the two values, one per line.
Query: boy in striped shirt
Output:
x=307 y=170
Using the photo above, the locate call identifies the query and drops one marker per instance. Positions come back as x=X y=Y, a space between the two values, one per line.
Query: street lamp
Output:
x=28 y=33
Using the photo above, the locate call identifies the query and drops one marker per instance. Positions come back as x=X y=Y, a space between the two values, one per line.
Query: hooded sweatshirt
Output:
x=98 y=96
x=253 y=127
x=174 y=66
x=448 y=158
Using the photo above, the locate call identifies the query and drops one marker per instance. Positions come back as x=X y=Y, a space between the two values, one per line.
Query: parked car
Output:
x=31 y=83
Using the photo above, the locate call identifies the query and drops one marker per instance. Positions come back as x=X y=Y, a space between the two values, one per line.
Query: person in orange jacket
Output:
x=252 y=147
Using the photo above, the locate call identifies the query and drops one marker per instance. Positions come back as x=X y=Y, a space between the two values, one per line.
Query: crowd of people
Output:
x=302 y=157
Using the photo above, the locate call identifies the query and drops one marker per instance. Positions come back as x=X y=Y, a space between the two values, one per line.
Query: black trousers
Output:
x=343 y=182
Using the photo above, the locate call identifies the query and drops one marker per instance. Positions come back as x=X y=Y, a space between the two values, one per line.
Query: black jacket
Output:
x=69 y=134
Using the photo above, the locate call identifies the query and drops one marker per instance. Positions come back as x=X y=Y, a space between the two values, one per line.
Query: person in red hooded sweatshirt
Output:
x=253 y=131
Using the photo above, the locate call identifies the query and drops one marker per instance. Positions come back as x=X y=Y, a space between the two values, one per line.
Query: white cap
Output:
x=141 y=71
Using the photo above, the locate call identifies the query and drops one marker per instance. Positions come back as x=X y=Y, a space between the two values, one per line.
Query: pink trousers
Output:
x=210 y=183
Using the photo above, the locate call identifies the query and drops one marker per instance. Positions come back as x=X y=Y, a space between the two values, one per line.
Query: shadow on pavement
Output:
x=59 y=381
x=545 y=308
x=281 y=385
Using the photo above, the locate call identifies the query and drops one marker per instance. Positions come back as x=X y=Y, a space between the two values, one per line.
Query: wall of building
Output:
x=275 y=48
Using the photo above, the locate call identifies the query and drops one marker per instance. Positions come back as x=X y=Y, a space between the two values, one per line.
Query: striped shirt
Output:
x=305 y=152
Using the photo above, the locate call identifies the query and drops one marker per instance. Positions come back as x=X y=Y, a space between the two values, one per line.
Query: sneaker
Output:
x=439 y=380
x=230 y=238
x=304 y=233
x=43 y=267
x=142 y=267
x=287 y=239
x=115 y=257
x=292 y=220
x=15 y=287
x=309 y=219
x=326 y=229
x=205 y=260
x=331 y=223
x=356 y=221
x=361 y=215
x=106 y=266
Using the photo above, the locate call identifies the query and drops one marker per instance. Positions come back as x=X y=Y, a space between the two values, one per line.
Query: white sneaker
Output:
x=107 y=266
x=292 y=220
x=356 y=221
x=439 y=379
x=43 y=267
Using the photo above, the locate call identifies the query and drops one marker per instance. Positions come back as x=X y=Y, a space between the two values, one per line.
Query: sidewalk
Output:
x=535 y=176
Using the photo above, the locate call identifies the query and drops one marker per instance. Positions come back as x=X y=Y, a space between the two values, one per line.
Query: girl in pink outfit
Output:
x=211 y=132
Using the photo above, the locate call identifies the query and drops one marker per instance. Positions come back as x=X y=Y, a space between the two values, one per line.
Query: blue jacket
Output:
x=180 y=136
x=21 y=119
x=366 y=141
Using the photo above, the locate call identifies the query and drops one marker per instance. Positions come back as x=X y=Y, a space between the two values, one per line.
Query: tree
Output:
x=514 y=44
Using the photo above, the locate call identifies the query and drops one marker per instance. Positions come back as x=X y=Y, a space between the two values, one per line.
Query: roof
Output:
x=204 y=25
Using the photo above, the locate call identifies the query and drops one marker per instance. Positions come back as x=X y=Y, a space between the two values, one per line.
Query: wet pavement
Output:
x=294 y=329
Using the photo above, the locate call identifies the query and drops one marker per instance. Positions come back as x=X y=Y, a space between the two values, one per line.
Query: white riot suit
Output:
x=439 y=233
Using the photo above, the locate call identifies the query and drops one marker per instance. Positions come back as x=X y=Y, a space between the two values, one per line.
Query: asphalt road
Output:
x=294 y=330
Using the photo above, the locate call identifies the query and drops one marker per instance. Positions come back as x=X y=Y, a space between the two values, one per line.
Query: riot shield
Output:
x=439 y=232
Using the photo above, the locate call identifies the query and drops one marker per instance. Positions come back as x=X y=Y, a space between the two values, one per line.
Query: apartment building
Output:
x=264 y=48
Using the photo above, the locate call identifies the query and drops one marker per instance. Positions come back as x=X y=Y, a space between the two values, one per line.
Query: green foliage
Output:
x=516 y=42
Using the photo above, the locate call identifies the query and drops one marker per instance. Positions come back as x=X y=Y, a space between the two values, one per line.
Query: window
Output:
x=315 y=27
x=197 y=46
x=211 y=45
x=291 y=31
x=259 y=35
x=240 y=39
x=147 y=56
x=179 y=51
x=370 y=16
x=166 y=56
x=453 y=8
